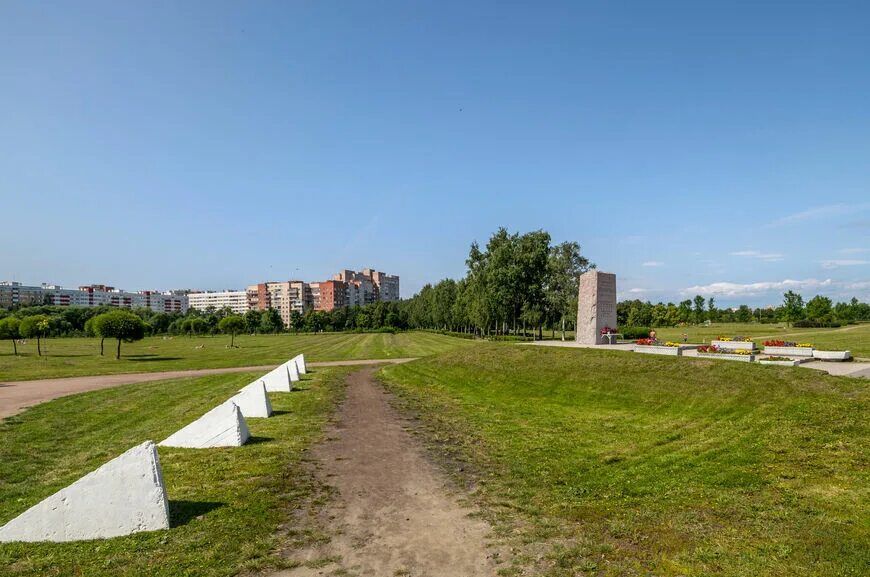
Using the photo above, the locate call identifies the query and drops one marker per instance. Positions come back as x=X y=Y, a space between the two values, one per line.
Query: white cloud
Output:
x=857 y=286
x=638 y=290
x=653 y=263
x=837 y=263
x=730 y=289
x=765 y=256
x=854 y=250
x=817 y=213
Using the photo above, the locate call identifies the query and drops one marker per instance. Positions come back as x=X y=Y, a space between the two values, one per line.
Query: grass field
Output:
x=80 y=356
x=225 y=504
x=603 y=463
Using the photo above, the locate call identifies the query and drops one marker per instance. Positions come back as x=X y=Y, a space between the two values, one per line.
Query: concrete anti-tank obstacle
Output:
x=300 y=362
x=253 y=401
x=124 y=496
x=223 y=426
x=292 y=370
x=278 y=380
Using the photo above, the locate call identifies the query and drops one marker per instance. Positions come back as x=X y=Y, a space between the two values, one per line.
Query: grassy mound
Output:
x=618 y=464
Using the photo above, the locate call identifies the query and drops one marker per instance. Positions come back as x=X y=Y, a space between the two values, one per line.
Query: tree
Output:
x=122 y=325
x=564 y=267
x=819 y=308
x=712 y=313
x=232 y=324
x=9 y=331
x=699 y=309
x=296 y=321
x=36 y=326
x=94 y=327
x=792 y=307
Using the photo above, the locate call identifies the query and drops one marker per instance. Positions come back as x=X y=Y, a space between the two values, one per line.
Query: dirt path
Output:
x=390 y=514
x=15 y=396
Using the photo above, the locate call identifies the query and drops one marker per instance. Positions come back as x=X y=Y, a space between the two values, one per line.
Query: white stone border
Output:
x=663 y=350
x=832 y=355
x=728 y=357
x=788 y=351
x=734 y=345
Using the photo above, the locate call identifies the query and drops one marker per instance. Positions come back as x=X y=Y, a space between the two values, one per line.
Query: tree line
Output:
x=820 y=311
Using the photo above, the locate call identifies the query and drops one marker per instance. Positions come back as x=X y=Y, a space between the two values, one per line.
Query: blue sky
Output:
x=688 y=148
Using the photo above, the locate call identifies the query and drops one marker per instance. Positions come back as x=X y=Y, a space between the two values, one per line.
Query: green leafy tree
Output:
x=94 y=327
x=35 y=327
x=9 y=331
x=699 y=309
x=743 y=314
x=123 y=326
x=819 y=308
x=296 y=321
x=565 y=264
x=712 y=313
x=231 y=325
x=792 y=307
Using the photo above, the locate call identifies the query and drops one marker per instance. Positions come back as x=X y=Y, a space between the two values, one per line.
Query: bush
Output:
x=631 y=333
x=805 y=324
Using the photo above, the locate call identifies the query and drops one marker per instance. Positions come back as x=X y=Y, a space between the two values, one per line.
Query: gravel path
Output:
x=15 y=396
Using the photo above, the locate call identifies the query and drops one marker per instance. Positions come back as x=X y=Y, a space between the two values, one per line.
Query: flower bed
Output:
x=716 y=352
x=734 y=344
x=652 y=347
x=788 y=348
x=832 y=355
x=782 y=361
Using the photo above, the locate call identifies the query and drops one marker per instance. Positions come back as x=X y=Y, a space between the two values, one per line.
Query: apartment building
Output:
x=285 y=297
x=368 y=286
x=15 y=294
x=237 y=301
x=331 y=294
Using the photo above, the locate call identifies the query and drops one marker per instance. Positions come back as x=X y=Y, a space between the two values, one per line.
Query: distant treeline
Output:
x=820 y=311
x=515 y=285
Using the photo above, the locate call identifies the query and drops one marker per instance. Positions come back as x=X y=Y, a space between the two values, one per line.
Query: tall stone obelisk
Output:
x=596 y=306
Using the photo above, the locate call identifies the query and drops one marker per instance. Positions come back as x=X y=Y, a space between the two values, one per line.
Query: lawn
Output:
x=602 y=463
x=226 y=504
x=80 y=356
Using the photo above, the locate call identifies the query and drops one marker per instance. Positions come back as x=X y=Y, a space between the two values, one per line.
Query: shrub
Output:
x=631 y=333
x=807 y=324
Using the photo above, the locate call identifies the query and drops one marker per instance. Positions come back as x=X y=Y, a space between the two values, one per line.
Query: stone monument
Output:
x=596 y=306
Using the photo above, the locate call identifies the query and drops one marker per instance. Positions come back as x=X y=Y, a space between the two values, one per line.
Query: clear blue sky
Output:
x=687 y=147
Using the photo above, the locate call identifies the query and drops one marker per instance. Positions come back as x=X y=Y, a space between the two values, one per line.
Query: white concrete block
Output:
x=662 y=350
x=789 y=351
x=278 y=380
x=832 y=355
x=223 y=426
x=728 y=357
x=292 y=370
x=734 y=345
x=124 y=496
x=300 y=362
x=253 y=401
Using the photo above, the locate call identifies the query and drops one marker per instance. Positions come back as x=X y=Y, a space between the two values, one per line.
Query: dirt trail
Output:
x=15 y=396
x=390 y=514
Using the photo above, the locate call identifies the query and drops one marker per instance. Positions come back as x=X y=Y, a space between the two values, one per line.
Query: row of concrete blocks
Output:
x=127 y=494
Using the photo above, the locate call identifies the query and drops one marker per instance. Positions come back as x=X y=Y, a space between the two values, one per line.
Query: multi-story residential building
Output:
x=332 y=294
x=237 y=301
x=285 y=297
x=15 y=294
x=368 y=286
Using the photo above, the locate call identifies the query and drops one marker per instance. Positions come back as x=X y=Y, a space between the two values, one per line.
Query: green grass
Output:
x=80 y=356
x=602 y=463
x=855 y=338
x=226 y=504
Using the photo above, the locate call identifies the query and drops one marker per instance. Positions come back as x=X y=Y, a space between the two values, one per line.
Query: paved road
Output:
x=15 y=396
